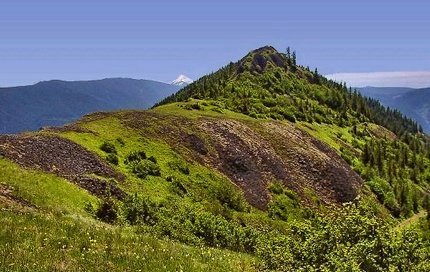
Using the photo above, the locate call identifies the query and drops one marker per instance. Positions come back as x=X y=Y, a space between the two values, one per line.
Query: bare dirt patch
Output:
x=63 y=158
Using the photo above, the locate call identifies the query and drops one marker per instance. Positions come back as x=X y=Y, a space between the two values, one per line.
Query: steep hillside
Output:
x=261 y=166
x=266 y=83
x=250 y=153
x=54 y=103
x=412 y=102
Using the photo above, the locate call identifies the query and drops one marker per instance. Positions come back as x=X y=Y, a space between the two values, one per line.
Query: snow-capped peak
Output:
x=182 y=80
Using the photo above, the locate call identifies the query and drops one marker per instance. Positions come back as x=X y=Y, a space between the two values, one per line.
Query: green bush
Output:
x=180 y=166
x=283 y=207
x=276 y=187
x=231 y=196
x=138 y=210
x=108 y=148
x=352 y=239
x=144 y=168
x=153 y=159
x=193 y=106
x=135 y=156
x=179 y=188
x=108 y=211
x=120 y=141
x=112 y=158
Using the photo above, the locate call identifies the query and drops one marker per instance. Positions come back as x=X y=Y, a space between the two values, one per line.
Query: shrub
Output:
x=139 y=210
x=153 y=159
x=108 y=211
x=276 y=188
x=179 y=188
x=112 y=158
x=145 y=168
x=193 y=106
x=170 y=178
x=108 y=148
x=227 y=194
x=281 y=207
x=134 y=157
x=120 y=141
x=353 y=239
x=180 y=166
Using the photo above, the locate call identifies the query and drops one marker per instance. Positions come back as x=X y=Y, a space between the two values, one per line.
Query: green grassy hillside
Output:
x=46 y=227
x=209 y=182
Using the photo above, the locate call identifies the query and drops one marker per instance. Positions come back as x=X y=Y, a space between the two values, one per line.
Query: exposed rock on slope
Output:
x=64 y=158
x=253 y=154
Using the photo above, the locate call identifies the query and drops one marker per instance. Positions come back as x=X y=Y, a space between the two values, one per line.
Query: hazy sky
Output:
x=47 y=39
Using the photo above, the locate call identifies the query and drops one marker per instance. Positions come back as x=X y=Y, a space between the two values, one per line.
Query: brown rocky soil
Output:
x=64 y=158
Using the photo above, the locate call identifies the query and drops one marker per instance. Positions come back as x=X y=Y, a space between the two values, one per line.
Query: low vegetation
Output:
x=233 y=177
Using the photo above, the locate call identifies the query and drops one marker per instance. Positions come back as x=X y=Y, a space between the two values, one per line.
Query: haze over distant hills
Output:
x=415 y=103
x=56 y=102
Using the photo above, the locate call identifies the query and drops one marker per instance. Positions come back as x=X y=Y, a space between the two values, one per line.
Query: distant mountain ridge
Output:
x=57 y=102
x=414 y=103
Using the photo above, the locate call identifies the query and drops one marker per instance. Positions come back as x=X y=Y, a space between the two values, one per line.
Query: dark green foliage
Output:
x=426 y=206
x=347 y=155
x=231 y=197
x=108 y=211
x=178 y=187
x=120 y=142
x=135 y=156
x=204 y=228
x=349 y=239
x=112 y=158
x=170 y=178
x=108 y=148
x=285 y=204
x=138 y=210
x=153 y=159
x=353 y=239
x=144 y=168
x=193 y=106
x=276 y=188
x=266 y=83
x=180 y=166
x=396 y=171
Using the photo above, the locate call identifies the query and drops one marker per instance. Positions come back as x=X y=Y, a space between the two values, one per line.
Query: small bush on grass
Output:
x=108 y=211
x=180 y=166
x=112 y=158
x=108 y=148
x=145 y=168
x=135 y=156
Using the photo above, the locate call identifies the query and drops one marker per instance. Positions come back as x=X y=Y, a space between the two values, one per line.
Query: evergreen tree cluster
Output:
x=397 y=172
x=269 y=84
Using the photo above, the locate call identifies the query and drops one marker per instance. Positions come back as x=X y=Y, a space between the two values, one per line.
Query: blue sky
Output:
x=46 y=39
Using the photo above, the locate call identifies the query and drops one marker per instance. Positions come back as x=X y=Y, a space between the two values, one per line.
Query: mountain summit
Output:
x=182 y=80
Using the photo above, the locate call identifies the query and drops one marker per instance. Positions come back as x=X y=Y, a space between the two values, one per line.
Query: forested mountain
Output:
x=415 y=103
x=263 y=165
x=266 y=83
x=53 y=103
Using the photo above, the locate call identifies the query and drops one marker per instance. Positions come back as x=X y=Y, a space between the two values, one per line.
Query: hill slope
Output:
x=56 y=102
x=266 y=83
x=260 y=166
x=415 y=103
